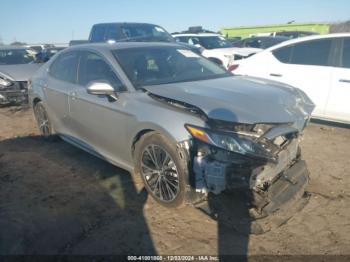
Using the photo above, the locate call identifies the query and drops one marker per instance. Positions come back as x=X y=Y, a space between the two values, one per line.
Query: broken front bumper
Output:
x=16 y=94
x=251 y=213
x=290 y=187
x=240 y=188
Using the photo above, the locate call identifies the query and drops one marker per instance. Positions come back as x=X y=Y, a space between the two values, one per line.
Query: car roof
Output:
x=198 y=35
x=121 y=45
x=307 y=38
x=11 y=47
x=122 y=23
x=297 y=32
x=267 y=37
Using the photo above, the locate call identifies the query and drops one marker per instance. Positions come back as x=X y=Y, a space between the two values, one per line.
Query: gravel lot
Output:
x=55 y=198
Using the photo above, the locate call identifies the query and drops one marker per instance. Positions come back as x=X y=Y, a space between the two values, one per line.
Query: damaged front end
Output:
x=248 y=143
x=261 y=161
x=13 y=92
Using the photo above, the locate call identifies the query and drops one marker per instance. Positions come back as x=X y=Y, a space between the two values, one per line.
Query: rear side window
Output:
x=65 y=67
x=183 y=39
x=283 y=54
x=98 y=33
x=346 y=53
x=312 y=53
x=94 y=68
x=254 y=43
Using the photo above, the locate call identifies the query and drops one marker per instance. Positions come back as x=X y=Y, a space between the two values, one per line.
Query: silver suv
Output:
x=183 y=123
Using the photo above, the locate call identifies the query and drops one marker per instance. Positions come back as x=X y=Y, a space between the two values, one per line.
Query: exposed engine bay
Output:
x=271 y=176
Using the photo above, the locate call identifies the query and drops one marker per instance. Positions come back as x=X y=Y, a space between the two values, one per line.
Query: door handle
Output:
x=344 y=80
x=276 y=75
x=73 y=95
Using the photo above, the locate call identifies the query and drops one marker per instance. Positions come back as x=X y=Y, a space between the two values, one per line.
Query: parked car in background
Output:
x=184 y=124
x=46 y=54
x=214 y=46
x=38 y=48
x=234 y=39
x=319 y=65
x=78 y=42
x=261 y=42
x=17 y=65
x=294 y=34
x=254 y=45
x=132 y=32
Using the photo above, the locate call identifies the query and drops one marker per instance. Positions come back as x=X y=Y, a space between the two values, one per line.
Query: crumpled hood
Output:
x=18 y=72
x=241 y=99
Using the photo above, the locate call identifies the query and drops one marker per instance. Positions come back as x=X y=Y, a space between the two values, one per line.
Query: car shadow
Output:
x=57 y=199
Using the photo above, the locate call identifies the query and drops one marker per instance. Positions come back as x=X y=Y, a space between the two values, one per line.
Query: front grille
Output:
x=23 y=85
x=17 y=93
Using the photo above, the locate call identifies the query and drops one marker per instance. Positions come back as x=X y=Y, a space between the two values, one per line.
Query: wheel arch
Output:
x=36 y=100
x=146 y=129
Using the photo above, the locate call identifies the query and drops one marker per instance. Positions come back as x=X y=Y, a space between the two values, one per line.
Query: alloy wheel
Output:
x=160 y=173
x=43 y=121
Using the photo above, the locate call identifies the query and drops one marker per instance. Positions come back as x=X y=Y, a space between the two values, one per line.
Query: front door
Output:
x=338 y=106
x=99 y=122
x=306 y=65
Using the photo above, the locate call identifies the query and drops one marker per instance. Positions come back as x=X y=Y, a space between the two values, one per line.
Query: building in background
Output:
x=248 y=31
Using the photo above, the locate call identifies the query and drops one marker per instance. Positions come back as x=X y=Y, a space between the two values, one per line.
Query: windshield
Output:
x=15 y=57
x=212 y=42
x=163 y=65
x=146 y=32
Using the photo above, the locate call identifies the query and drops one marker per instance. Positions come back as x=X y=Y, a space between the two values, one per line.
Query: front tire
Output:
x=43 y=122
x=161 y=168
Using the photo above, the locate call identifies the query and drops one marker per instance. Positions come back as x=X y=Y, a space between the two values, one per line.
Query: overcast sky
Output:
x=58 y=21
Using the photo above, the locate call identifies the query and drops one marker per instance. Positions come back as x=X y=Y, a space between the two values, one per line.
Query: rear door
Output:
x=61 y=81
x=306 y=65
x=338 y=106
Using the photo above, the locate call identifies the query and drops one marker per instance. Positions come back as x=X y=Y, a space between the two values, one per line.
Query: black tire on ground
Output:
x=175 y=169
x=43 y=122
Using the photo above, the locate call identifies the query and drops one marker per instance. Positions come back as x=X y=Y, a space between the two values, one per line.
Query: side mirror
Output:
x=101 y=88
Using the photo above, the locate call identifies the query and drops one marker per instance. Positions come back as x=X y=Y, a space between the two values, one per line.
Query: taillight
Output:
x=232 y=67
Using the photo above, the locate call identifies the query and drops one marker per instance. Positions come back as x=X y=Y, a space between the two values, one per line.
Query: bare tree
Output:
x=343 y=27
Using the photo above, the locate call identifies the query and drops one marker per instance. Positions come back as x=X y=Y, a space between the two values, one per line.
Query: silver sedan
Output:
x=188 y=127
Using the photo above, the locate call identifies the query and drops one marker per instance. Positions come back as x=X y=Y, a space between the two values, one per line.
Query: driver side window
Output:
x=93 y=67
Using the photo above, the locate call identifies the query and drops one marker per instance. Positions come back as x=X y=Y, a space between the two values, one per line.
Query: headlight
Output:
x=232 y=142
x=5 y=83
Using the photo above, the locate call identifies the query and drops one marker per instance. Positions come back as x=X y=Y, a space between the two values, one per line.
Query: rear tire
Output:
x=162 y=170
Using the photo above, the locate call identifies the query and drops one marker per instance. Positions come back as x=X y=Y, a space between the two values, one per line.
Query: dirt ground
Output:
x=57 y=199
